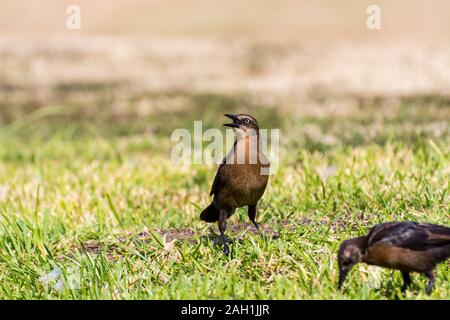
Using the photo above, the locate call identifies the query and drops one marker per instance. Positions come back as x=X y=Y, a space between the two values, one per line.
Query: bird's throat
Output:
x=245 y=150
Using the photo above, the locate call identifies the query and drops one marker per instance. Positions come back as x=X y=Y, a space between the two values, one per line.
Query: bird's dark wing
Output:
x=379 y=231
x=217 y=180
x=410 y=235
x=438 y=235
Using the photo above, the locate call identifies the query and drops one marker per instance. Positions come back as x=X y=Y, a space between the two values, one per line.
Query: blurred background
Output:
x=146 y=67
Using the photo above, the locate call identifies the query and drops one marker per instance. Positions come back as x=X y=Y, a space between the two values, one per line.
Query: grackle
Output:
x=405 y=246
x=241 y=178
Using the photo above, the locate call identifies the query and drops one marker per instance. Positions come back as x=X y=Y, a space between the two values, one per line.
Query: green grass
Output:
x=94 y=201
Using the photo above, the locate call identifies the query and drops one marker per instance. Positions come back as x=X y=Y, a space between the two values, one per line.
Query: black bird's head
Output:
x=243 y=124
x=350 y=253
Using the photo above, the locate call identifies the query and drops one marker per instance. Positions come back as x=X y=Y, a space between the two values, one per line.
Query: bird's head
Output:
x=350 y=253
x=243 y=124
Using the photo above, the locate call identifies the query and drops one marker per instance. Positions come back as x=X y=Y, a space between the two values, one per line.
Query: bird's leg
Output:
x=222 y=227
x=406 y=280
x=430 y=285
x=252 y=215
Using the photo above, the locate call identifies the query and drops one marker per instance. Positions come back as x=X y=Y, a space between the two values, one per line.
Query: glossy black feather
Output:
x=410 y=235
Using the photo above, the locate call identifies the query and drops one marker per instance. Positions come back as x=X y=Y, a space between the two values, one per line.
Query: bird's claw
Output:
x=226 y=250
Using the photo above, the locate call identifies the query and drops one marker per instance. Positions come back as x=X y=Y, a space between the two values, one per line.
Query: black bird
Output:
x=405 y=246
x=241 y=178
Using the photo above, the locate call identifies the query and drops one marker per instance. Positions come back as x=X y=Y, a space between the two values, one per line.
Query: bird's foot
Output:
x=258 y=228
x=430 y=285
x=429 y=289
x=226 y=250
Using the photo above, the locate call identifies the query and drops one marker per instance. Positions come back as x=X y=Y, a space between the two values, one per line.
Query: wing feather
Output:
x=410 y=235
x=217 y=180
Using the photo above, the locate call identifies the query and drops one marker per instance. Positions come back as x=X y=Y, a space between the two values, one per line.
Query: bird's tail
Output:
x=210 y=214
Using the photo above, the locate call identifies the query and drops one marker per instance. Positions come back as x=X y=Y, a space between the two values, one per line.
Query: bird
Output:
x=241 y=178
x=404 y=246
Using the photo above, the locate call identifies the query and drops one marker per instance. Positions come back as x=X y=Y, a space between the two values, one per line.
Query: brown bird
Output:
x=405 y=246
x=241 y=178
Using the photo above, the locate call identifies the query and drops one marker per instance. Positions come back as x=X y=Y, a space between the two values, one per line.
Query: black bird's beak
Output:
x=233 y=117
x=342 y=275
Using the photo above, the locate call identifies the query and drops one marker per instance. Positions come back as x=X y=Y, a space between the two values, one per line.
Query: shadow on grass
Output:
x=166 y=236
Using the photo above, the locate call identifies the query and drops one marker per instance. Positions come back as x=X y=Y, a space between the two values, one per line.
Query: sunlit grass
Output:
x=93 y=209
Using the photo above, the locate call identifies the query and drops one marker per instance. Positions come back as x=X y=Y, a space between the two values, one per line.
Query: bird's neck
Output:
x=246 y=150
x=361 y=243
x=249 y=140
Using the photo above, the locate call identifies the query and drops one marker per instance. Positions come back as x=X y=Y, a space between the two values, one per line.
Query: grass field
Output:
x=91 y=207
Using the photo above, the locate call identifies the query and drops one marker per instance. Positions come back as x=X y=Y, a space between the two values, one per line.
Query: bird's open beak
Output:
x=233 y=117
x=342 y=275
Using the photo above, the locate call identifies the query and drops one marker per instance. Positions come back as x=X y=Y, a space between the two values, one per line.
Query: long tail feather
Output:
x=210 y=214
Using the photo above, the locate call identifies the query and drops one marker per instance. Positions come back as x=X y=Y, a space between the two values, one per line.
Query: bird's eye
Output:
x=246 y=121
